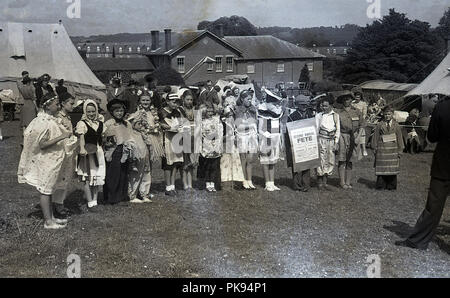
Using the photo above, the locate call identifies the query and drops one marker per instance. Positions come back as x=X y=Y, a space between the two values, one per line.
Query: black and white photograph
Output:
x=206 y=141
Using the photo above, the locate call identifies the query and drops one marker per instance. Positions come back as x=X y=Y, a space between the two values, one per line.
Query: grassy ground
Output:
x=232 y=233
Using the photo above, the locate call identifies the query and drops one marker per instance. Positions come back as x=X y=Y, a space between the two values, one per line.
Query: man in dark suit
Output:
x=115 y=90
x=440 y=179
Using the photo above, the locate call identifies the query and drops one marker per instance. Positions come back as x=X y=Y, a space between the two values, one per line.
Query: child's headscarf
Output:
x=98 y=117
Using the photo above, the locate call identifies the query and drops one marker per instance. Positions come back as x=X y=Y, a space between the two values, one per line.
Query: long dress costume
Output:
x=388 y=143
x=40 y=167
x=117 y=134
x=230 y=163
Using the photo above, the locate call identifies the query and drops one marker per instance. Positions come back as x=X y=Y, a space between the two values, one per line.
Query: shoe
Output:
x=93 y=209
x=250 y=184
x=147 y=200
x=170 y=193
x=304 y=189
x=407 y=243
x=61 y=211
x=151 y=196
x=213 y=189
x=327 y=187
x=275 y=188
x=349 y=186
x=245 y=184
x=60 y=221
x=269 y=188
x=136 y=201
x=53 y=226
x=344 y=186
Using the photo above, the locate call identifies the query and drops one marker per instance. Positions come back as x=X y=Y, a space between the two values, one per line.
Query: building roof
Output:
x=120 y=64
x=387 y=85
x=269 y=47
x=437 y=82
x=182 y=40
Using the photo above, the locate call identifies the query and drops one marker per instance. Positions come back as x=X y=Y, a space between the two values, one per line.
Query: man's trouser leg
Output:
x=428 y=221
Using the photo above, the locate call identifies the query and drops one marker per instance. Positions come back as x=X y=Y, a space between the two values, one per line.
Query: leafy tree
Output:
x=232 y=26
x=443 y=29
x=166 y=75
x=304 y=74
x=393 y=48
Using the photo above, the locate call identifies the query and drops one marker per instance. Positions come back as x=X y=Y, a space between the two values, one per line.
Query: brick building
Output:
x=202 y=55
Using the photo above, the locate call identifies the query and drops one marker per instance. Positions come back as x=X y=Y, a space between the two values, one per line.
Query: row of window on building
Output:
x=229 y=61
x=334 y=51
x=218 y=64
x=108 y=49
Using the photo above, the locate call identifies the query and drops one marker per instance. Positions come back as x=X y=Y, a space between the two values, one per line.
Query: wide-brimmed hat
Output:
x=344 y=96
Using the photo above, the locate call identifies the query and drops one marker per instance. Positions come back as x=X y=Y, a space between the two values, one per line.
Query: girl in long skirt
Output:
x=91 y=167
x=246 y=127
x=42 y=157
x=230 y=163
x=116 y=136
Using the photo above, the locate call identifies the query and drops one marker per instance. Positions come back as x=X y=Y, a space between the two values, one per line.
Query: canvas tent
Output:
x=45 y=48
x=437 y=82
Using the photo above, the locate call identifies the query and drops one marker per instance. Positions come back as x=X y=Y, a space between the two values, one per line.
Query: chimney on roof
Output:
x=168 y=39
x=155 y=39
x=220 y=30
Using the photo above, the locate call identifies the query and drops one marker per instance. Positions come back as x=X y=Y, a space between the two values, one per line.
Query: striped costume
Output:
x=387 y=144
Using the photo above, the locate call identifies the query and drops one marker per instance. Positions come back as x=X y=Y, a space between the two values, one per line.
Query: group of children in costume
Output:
x=221 y=137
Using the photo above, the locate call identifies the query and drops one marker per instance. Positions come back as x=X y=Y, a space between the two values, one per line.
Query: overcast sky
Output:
x=115 y=16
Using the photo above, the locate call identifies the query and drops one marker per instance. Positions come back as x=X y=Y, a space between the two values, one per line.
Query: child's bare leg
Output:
x=244 y=165
x=266 y=173
x=167 y=177
x=184 y=174
x=190 y=175
x=173 y=176
x=94 y=191
x=87 y=191
x=46 y=207
x=272 y=173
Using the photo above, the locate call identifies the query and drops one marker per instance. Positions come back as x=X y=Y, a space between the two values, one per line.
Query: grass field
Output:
x=232 y=233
